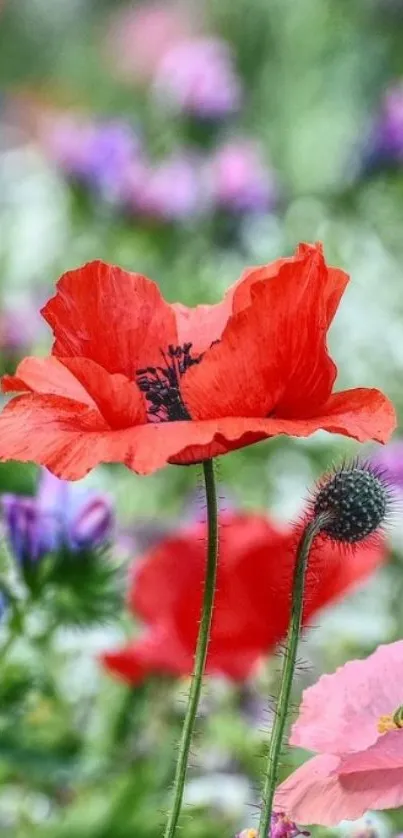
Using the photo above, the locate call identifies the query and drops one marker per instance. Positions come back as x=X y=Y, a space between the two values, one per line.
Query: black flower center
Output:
x=161 y=384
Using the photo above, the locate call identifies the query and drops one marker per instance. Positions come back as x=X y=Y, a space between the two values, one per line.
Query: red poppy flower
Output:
x=252 y=602
x=136 y=380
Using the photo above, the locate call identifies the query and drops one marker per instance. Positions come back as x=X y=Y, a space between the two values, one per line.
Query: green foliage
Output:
x=80 y=588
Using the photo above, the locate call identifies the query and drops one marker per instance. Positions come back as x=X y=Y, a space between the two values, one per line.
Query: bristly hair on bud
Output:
x=356 y=499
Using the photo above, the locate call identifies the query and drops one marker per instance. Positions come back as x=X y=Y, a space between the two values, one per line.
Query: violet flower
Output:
x=170 y=190
x=197 y=76
x=385 y=144
x=389 y=459
x=98 y=154
x=19 y=328
x=240 y=181
x=61 y=515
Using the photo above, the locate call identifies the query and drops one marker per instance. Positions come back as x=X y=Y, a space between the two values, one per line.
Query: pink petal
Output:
x=316 y=793
x=339 y=714
x=387 y=752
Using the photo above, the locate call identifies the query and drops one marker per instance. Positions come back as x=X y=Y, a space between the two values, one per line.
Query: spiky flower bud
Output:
x=357 y=499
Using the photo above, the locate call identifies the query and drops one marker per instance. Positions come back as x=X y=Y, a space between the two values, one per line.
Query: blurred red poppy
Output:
x=136 y=380
x=252 y=602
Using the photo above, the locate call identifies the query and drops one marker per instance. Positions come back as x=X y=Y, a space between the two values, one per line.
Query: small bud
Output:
x=281 y=827
x=357 y=500
x=93 y=525
x=25 y=529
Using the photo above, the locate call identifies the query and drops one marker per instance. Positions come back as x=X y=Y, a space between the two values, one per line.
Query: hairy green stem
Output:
x=201 y=648
x=290 y=655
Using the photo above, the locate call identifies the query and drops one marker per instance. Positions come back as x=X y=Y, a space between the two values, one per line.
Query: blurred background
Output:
x=185 y=141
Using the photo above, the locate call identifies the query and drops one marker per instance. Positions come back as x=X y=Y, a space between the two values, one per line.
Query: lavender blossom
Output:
x=389 y=459
x=19 y=328
x=385 y=144
x=61 y=515
x=101 y=155
x=240 y=181
x=170 y=190
x=197 y=76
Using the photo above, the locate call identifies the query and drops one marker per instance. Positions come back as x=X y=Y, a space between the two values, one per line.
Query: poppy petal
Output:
x=116 y=318
x=52 y=431
x=70 y=438
x=333 y=289
x=385 y=753
x=252 y=603
x=46 y=375
x=339 y=713
x=118 y=399
x=278 y=344
x=126 y=663
x=316 y=793
x=157 y=650
x=362 y=414
x=203 y=325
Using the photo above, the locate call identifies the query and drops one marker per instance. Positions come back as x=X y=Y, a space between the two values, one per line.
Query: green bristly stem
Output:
x=297 y=603
x=201 y=648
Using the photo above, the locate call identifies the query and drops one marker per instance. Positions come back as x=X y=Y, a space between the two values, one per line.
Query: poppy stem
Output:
x=290 y=655
x=201 y=648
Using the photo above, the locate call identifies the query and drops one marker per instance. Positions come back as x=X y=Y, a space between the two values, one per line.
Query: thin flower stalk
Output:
x=201 y=649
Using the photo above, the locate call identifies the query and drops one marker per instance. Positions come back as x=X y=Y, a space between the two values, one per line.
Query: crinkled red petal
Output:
x=46 y=375
x=116 y=318
x=272 y=357
x=333 y=289
x=203 y=325
x=71 y=438
x=80 y=379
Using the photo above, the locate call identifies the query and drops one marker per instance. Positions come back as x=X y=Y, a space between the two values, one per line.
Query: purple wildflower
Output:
x=101 y=155
x=68 y=140
x=19 y=328
x=197 y=76
x=385 y=144
x=61 y=514
x=170 y=190
x=389 y=459
x=115 y=149
x=240 y=181
x=281 y=827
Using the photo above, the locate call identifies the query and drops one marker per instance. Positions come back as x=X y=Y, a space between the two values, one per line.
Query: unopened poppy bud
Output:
x=357 y=499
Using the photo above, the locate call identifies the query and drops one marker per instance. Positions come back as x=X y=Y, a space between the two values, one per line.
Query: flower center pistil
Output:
x=392 y=721
x=161 y=384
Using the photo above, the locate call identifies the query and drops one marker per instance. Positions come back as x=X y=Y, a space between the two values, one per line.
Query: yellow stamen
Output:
x=387 y=723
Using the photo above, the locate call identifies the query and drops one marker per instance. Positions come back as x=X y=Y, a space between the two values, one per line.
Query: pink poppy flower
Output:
x=354 y=719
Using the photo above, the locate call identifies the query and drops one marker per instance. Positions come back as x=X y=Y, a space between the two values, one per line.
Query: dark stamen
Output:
x=161 y=385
